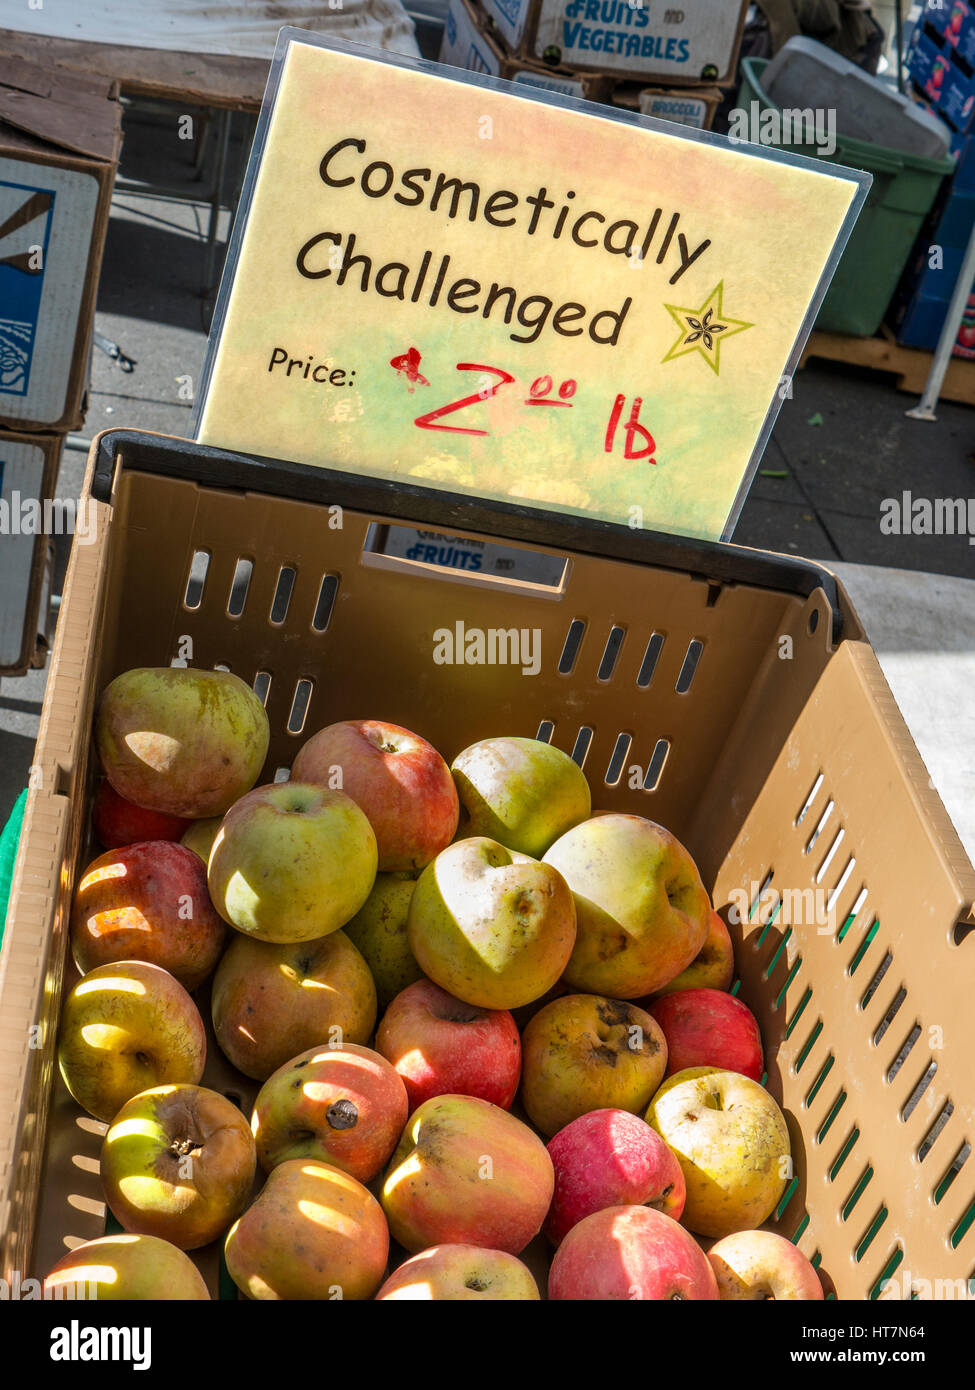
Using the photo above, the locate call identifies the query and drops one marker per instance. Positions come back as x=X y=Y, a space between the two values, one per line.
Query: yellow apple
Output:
x=125 y=1267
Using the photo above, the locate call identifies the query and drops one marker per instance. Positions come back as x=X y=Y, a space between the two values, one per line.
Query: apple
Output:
x=124 y=1028
x=458 y=1274
x=610 y=1158
x=583 y=1052
x=732 y=1143
x=440 y=1045
x=642 y=911
x=466 y=1172
x=270 y=1002
x=118 y=822
x=712 y=968
x=291 y=862
x=147 y=902
x=760 y=1265
x=184 y=742
x=127 y=1267
x=379 y=931
x=314 y=1232
x=341 y=1105
x=708 y=1028
x=491 y=926
x=400 y=781
x=178 y=1162
x=521 y=792
x=199 y=836
x=630 y=1252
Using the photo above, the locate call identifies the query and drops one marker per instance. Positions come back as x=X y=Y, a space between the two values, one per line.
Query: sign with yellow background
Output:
x=462 y=286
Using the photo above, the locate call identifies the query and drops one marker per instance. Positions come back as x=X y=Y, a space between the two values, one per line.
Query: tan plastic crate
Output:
x=789 y=767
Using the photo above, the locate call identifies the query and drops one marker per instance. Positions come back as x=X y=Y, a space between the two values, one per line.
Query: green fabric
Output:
x=9 y=839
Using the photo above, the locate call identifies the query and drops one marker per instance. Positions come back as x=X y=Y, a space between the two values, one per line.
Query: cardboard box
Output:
x=59 y=145
x=682 y=46
x=28 y=472
x=944 y=72
x=469 y=42
x=688 y=106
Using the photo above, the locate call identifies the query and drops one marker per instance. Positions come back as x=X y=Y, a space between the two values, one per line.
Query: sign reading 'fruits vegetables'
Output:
x=448 y=279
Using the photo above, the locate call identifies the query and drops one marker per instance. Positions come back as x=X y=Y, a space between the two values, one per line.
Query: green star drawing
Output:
x=703 y=330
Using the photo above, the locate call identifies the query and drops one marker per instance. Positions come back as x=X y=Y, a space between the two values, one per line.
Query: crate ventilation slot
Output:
x=196 y=579
x=545 y=731
x=581 y=746
x=610 y=654
x=650 y=658
x=934 y=1133
x=282 y=774
x=689 y=667
x=807 y=804
x=326 y=601
x=904 y=1052
x=658 y=761
x=911 y=1103
x=820 y=826
x=262 y=686
x=951 y=1173
x=617 y=761
x=282 y=595
x=299 y=706
x=239 y=587
x=573 y=640
x=874 y=984
x=892 y=1010
x=852 y=915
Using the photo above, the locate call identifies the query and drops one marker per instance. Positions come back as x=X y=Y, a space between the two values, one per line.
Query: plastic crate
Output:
x=904 y=188
x=781 y=761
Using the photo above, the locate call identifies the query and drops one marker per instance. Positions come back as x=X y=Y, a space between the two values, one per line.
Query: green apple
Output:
x=491 y=926
x=292 y=862
x=199 y=836
x=521 y=792
x=379 y=931
x=125 y=1027
x=642 y=911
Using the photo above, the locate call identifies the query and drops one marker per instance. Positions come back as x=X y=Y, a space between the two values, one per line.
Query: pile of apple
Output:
x=557 y=1054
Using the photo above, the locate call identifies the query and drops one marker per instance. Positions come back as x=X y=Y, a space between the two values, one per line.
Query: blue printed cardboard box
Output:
x=28 y=471
x=688 y=45
x=59 y=146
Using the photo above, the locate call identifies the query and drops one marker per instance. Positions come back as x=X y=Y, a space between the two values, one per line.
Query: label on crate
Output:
x=418 y=291
x=472 y=556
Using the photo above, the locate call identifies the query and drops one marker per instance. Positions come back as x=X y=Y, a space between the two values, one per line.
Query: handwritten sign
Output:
x=513 y=295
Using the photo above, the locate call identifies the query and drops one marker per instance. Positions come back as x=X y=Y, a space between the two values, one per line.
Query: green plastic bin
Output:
x=903 y=191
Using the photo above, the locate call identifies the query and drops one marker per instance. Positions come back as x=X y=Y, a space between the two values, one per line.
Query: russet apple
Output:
x=399 y=779
x=117 y=822
x=149 y=902
x=763 y=1266
x=467 y=1173
x=708 y=1028
x=291 y=862
x=178 y=1162
x=270 y=1002
x=584 y=1052
x=314 y=1232
x=181 y=741
x=521 y=792
x=127 y=1267
x=610 y=1158
x=379 y=931
x=642 y=910
x=439 y=1045
x=712 y=968
x=630 y=1253
x=341 y=1105
x=124 y=1028
x=460 y=1274
x=732 y=1143
x=491 y=926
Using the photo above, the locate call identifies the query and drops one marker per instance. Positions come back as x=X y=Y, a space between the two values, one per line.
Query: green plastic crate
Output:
x=903 y=191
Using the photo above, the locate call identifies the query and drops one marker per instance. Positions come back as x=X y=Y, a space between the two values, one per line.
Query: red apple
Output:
x=760 y=1266
x=147 y=902
x=119 y=822
x=712 y=968
x=708 y=1028
x=440 y=1046
x=610 y=1158
x=630 y=1253
x=460 y=1273
x=398 y=779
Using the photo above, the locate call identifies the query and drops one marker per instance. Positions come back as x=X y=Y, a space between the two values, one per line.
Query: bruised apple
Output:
x=642 y=911
x=147 y=902
x=181 y=741
x=178 y=1162
x=630 y=1253
x=398 y=779
x=270 y=1002
x=467 y=1173
x=341 y=1105
x=610 y=1158
x=314 y=1232
x=439 y=1045
x=458 y=1274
